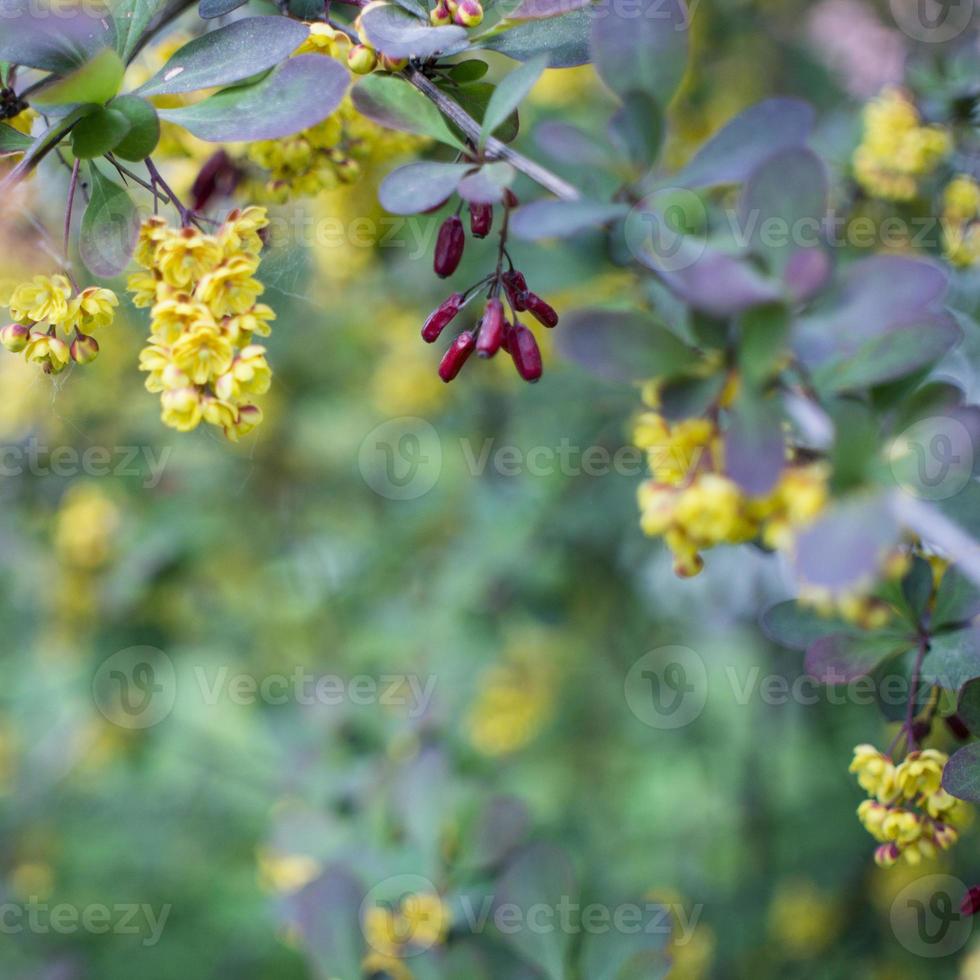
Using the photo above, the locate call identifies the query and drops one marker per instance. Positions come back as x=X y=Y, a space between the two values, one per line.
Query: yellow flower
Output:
x=178 y=315
x=424 y=920
x=709 y=511
x=203 y=354
x=961 y=199
x=152 y=232
x=92 y=308
x=250 y=374
x=218 y=412
x=186 y=255
x=182 y=409
x=875 y=773
x=249 y=416
x=50 y=352
x=145 y=288
x=240 y=232
x=163 y=373
x=230 y=288
x=255 y=321
x=921 y=773
x=43 y=299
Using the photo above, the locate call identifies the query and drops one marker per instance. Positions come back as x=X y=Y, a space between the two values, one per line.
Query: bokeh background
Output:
x=354 y=536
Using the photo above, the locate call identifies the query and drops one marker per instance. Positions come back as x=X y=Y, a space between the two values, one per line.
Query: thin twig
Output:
x=72 y=187
x=494 y=149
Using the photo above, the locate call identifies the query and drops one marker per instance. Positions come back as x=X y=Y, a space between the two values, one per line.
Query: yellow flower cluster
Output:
x=515 y=700
x=908 y=812
x=693 y=506
x=896 y=148
x=44 y=305
x=331 y=153
x=420 y=921
x=961 y=227
x=201 y=356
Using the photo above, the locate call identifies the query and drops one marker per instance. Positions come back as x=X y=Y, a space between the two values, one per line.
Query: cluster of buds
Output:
x=961 y=221
x=497 y=329
x=907 y=812
x=44 y=305
x=694 y=505
x=201 y=356
x=465 y=13
x=897 y=149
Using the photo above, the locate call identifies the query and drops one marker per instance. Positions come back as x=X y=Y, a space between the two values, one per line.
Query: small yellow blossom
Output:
x=42 y=300
x=92 y=309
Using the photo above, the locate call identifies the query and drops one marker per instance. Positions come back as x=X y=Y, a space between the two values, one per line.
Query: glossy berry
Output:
x=526 y=353
x=491 y=328
x=481 y=219
x=457 y=355
x=449 y=247
x=543 y=312
x=441 y=317
x=516 y=286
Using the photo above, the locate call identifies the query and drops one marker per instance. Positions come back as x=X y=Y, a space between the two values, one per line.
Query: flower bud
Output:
x=362 y=59
x=457 y=355
x=481 y=219
x=393 y=64
x=217 y=178
x=526 y=353
x=491 y=328
x=84 y=349
x=510 y=198
x=543 y=312
x=14 y=337
x=469 y=13
x=449 y=246
x=441 y=317
x=440 y=16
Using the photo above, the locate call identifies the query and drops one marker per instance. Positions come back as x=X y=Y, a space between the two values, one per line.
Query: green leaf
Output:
x=564 y=39
x=539 y=874
x=418 y=187
x=239 y=51
x=891 y=355
x=968 y=705
x=784 y=203
x=621 y=345
x=394 y=102
x=953 y=658
x=763 y=332
x=132 y=17
x=396 y=33
x=466 y=72
x=44 y=143
x=144 y=128
x=209 y=9
x=957 y=600
x=474 y=99
x=509 y=94
x=560 y=219
x=607 y=953
x=642 y=48
x=97 y=81
x=961 y=777
x=278 y=105
x=639 y=128
x=791 y=625
x=109 y=227
x=98 y=133
x=843 y=657
x=13 y=141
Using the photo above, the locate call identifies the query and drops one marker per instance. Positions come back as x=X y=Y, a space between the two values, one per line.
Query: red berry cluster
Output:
x=495 y=330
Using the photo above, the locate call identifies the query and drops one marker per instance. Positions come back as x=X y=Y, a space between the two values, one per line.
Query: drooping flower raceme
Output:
x=201 y=356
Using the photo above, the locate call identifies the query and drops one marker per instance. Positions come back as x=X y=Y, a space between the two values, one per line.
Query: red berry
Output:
x=543 y=312
x=457 y=355
x=449 y=246
x=526 y=353
x=516 y=286
x=491 y=328
x=481 y=219
x=441 y=317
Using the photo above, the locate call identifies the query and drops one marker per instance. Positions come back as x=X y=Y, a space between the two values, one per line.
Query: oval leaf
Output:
x=96 y=81
x=509 y=94
x=564 y=39
x=398 y=34
x=229 y=54
x=487 y=185
x=60 y=42
x=109 y=227
x=144 y=128
x=844 y=657
x=98 y=133
x=397 y=104
x=961 y=777
x=279 y=105
x=559 y=219
x=209 y=9
x=418 y=187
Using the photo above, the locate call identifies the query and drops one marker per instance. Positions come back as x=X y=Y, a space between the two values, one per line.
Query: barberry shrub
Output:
x=789 y=386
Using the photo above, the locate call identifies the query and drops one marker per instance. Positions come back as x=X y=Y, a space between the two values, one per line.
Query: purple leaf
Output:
x=642 y=48
x=806 y=272
x=278 y=105
x=487 y=185
x=746 y=141
x=570 y=145
x=398 y=34
x=560 y=219
x=419 y=187
x=843 y=657
x=755 y=447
